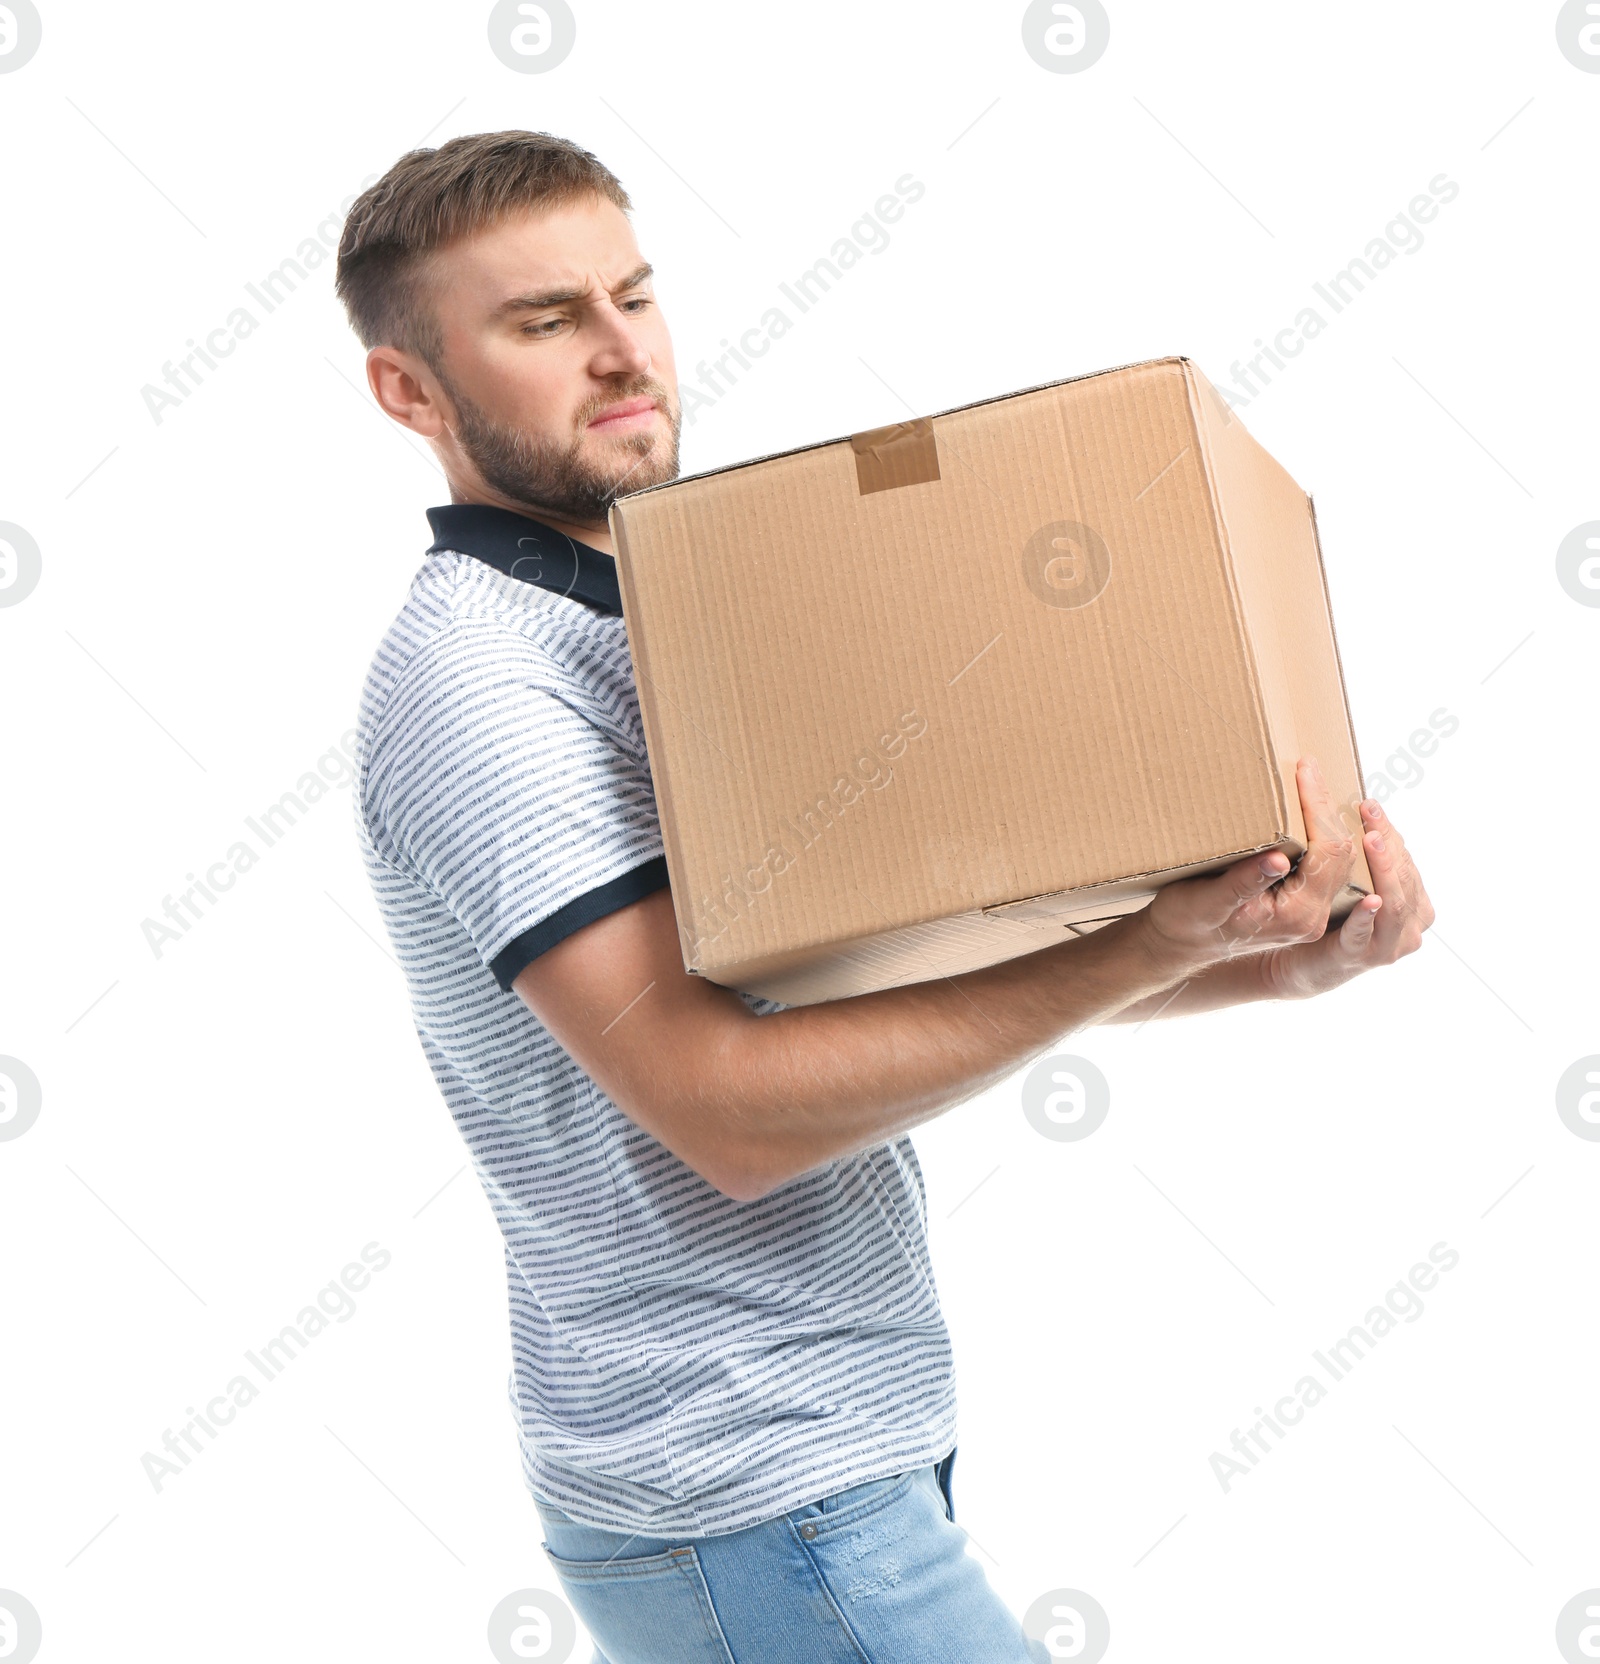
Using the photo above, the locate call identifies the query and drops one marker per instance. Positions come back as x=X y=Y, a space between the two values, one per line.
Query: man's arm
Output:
x=750 y=1103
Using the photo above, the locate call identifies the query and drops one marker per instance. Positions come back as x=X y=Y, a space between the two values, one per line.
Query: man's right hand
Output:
x=1246 y=909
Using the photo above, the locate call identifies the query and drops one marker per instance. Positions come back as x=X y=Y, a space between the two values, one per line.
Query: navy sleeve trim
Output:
x=609 y=897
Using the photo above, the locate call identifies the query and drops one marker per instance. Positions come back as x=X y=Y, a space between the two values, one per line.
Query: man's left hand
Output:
x=1383 y=927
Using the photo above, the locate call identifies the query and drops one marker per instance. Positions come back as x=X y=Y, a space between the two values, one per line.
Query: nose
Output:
x=618 y=350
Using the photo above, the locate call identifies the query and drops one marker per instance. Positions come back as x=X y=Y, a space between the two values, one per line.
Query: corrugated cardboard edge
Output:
x=841 y=969
x=1333 y=630
x=858 y=964
x=1352 y=892
x=677 y=867
x=1128 y=885
x=1267 y=755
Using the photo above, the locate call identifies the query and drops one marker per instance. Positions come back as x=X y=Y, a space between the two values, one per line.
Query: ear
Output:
x=407 y=390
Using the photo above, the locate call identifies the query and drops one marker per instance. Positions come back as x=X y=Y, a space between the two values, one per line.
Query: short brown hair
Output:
x=430 y=198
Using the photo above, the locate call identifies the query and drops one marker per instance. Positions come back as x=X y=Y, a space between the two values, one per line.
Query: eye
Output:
x=543 y=329
x=635 y=301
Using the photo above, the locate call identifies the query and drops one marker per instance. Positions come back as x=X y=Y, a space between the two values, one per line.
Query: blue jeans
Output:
x=876 y=1574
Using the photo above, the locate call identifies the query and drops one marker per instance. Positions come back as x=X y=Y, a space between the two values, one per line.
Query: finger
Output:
x=1316 y=803
x=1376 y=821
x=1219 y=898
x=1357 y=932
x=1405 y=863
x=1389 y=886
x=1330 y=850
x=1338 y=955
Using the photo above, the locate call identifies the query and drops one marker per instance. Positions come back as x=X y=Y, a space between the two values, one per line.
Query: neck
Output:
x=597 y=534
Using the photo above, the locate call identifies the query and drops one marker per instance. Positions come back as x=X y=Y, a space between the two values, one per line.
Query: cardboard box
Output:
x=933 y=696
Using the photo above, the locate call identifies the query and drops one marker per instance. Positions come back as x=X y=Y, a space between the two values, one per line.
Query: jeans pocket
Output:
x=654 y=1609
x=839 y=1501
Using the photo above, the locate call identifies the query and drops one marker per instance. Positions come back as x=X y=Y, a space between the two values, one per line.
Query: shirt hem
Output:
x=697 y=1520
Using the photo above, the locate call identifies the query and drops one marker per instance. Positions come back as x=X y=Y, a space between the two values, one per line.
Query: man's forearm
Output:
x=750 y=1102
x=1211 y=988
x=804 y=1086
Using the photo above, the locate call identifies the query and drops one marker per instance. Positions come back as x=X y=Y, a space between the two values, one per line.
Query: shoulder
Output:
x=459 y=626
x=479 y=670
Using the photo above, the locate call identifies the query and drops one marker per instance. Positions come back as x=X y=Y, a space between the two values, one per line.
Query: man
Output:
x=731 y=1378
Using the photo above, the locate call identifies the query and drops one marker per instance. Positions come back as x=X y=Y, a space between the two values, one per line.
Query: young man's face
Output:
x=556 y=361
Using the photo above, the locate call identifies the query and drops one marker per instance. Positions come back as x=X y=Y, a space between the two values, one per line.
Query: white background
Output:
x=225 y=1126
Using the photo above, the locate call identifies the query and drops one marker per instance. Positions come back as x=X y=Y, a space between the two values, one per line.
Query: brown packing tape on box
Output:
x=928 y=697
x=903 y=454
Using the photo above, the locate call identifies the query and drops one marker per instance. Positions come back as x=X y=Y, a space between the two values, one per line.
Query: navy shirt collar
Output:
x=529 y=551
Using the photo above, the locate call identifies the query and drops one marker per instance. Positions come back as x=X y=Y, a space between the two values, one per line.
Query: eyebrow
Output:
x=560 y=297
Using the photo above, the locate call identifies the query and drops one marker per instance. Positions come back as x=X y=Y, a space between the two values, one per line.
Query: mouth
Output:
x=629 y=416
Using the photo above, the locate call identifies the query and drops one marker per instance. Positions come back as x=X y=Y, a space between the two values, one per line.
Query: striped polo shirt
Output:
x=682 y=1363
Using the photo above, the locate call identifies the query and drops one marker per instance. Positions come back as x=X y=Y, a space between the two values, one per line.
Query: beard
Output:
x=546 y=476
